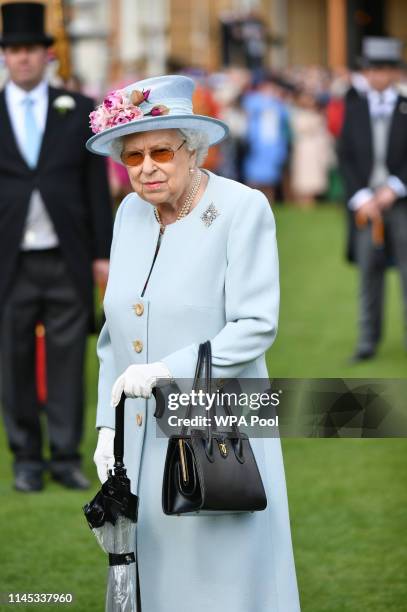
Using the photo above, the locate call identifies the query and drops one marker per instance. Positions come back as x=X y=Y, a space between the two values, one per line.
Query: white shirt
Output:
x=380 y=104
x=39 y=232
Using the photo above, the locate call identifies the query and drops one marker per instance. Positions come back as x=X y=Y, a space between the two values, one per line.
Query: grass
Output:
x=347 y=497
x=318 y=309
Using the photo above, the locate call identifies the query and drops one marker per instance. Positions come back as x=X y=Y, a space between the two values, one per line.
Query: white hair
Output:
x=116 y=148
x=196 y=140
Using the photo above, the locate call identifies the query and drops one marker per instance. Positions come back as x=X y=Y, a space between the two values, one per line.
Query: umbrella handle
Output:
x=119 y=434
x=377 y=227
x=378 y=232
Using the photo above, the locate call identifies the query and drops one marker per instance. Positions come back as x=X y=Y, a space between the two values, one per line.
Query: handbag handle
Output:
x=203 y=370
x=198 y=373
x=207 y=358
x=204 y=366
x=207 y=364
x=118 y=445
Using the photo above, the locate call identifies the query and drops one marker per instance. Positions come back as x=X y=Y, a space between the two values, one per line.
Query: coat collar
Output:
x=51 y=126
x=8 y=139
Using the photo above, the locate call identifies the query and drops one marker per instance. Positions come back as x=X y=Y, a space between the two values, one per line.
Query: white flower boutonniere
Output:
x=64 y=104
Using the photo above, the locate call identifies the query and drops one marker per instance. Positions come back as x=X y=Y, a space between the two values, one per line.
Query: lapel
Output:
x=364 y=127
x=8 y=140
x=51 y=126
x=397 y=129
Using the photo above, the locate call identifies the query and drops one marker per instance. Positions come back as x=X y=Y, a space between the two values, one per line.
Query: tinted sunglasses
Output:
x=160 y=155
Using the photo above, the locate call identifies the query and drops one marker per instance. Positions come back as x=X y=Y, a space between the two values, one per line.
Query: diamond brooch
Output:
x=210 y=214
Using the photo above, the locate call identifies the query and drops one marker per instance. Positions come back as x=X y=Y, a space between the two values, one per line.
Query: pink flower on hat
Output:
x=124 y=116
x=159 y=110
x=137 y=96
x=118 y=108
x=115 y=100
x=98 y=119
x=115 y=109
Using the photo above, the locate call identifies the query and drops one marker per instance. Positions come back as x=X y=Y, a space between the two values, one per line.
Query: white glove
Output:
x=104 y=456
x=139 y=380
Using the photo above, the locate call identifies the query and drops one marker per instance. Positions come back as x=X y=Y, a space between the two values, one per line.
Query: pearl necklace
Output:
x=186 y=207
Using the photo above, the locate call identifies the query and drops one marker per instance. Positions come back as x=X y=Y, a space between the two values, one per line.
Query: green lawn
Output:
x=318 y=309
x=348 y=498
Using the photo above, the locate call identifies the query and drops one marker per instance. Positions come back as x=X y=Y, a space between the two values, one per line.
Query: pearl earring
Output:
x=192 y=170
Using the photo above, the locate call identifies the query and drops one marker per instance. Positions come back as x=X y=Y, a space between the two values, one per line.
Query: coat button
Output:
x=138 y=346
x=139 y=419
x=138 y=309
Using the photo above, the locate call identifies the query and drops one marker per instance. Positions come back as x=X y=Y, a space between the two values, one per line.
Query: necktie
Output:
x=32 y=133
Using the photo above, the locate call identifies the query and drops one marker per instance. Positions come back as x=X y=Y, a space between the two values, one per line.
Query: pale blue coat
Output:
x=219 y=283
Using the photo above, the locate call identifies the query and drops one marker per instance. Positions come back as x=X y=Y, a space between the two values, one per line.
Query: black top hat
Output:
x=23 y=24
x=381 y=51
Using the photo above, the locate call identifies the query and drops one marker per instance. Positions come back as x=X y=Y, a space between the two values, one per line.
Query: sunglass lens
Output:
x=162 y=155
x=135 y=158
x=132 y=158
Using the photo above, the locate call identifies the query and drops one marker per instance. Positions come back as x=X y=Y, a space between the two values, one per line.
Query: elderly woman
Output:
x=193 y=258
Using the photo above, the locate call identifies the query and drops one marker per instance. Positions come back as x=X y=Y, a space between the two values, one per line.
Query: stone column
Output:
x=143 y=39
x=336 y=33
x=88 y=34
x=279 y=30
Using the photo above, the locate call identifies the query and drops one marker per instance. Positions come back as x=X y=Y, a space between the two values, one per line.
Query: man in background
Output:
x=373 y=158
x=55 y=234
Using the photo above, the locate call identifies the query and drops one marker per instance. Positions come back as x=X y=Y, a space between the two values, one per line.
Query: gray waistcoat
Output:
x=380 y=136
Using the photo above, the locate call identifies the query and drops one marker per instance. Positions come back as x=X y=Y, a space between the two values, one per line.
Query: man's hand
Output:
x=100 y=268
x=370 y=210
x=385 y=197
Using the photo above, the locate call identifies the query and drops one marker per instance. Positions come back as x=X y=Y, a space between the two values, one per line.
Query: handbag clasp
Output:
x=223 y=449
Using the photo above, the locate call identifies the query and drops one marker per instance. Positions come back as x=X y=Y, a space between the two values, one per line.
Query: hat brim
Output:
x=366 y=63
x=215 y=129
x=13 y=40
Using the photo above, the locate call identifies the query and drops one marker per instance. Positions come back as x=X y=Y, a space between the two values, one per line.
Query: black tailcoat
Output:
x=73 y=185
x=355 y=151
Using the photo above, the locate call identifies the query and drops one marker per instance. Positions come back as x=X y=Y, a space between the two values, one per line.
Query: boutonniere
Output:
x=403 y=108
x=63 y=104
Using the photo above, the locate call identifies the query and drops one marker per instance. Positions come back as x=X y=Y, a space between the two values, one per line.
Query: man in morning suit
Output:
x=373 y=158
x=55 y=234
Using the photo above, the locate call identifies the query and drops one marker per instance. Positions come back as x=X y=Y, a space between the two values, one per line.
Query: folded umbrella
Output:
x=112 y=516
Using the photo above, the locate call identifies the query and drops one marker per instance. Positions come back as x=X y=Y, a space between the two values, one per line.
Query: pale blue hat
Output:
x=174 y=93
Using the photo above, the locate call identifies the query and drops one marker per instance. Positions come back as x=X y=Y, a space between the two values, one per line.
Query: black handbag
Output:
x=210 y=471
